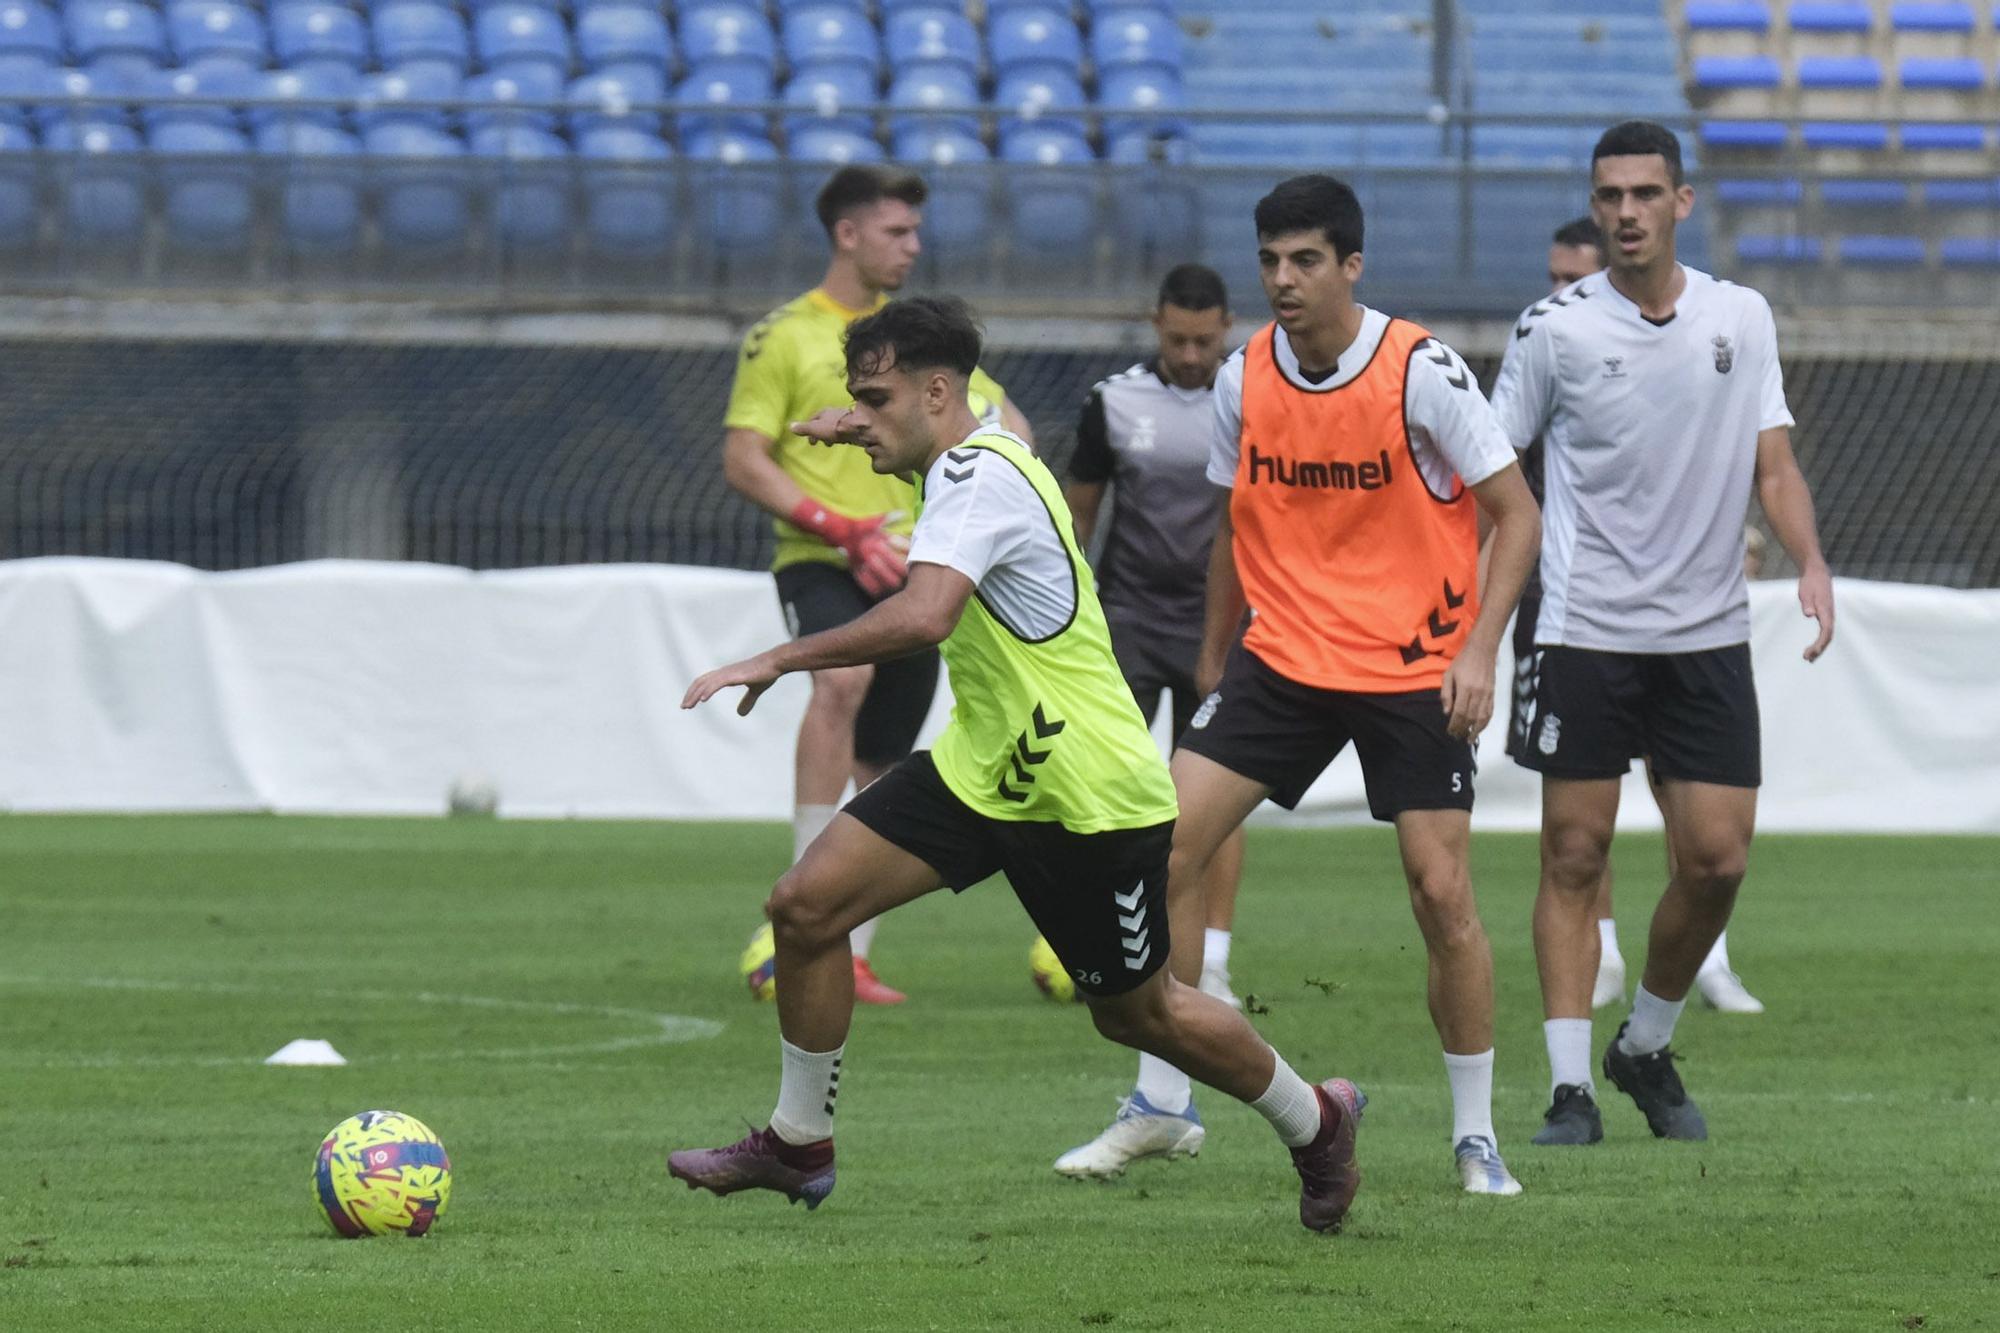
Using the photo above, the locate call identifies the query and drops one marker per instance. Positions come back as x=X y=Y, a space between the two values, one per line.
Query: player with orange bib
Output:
x=1358 y=453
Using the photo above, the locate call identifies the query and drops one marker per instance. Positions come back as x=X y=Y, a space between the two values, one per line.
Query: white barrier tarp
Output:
x=361 y=687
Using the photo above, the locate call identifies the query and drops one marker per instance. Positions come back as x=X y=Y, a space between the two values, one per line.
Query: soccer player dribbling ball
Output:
x=841 y=529
x=1355 y=448
x=1046 y=774
x=1657 y=392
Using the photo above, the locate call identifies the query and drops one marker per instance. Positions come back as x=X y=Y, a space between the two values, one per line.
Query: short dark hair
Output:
x=1193 y=287
x=1638 y=138
x=860 y=184
x=1579 y=231
x=921 y=333
x=1313 y=203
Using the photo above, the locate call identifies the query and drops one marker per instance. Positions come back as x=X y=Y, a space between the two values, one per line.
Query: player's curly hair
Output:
x=917 y=334
x=1313 y=203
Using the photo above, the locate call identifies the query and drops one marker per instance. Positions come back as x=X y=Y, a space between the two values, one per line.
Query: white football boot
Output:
x=1139 y=1130
x=1480 y=1167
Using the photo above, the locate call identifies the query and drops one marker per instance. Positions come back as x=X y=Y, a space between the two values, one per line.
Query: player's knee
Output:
x=1714 y=870
x=1573 y=862
x=1134 y=1019
x=1442 y=899
x=800 y=918
x=841 y=689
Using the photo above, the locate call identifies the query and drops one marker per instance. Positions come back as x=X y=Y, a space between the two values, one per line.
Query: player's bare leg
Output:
x=1709 y=829
x=1174 y=1022
x=1437 y=846
x=848 y=875
x=1158 y=1118
x=1578 y=816
x=1225 y=876
x=1716 y=980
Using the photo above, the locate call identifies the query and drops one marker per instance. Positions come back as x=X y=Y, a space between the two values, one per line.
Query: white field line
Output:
x=661 y=1029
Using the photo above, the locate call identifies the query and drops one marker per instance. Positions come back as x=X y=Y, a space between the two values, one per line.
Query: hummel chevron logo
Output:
x=949 y=475
x=1452 y=600
x=962 y=455
x=965 y=458
x=1456 y=375
x=1134 y=964
x=1540 y=308
x=1026 y=756
x=1128 y=901
x=1134 y=943
x=1441 y=628
x=1134 y=921
x=1414 y=650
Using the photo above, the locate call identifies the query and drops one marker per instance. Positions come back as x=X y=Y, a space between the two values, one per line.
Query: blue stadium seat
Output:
x=20 y=211
x=1134 y=36
x=1944 y=138
x=320 y=202
x=29 y=29
x=605 y=100
x=1136 y=149
x=1045 y=146
x=315 y=82
x=1000 y=6
x=1881 y=251
x=531 y=194
x=498 y=93
x=785 y=7
x=822 y=91
x=207 y=80
x=1778 y=249
x=1053 y=211
x=1942 y=74
x=1830 y=16
x=399 y=97
x=319 y=32
x=1034 y=40
x=1931 y=16
x=1041 y=95
x=1727 y=15
x=1148 y=88
x=1969 y=252
x=104 y=196
x=829 y=34
x=1839 y=72
x=512 y=36
x=958 y=215
x=831 y=143
x=629 y=206
x=612 y=34
x=1737 y=72
x=712 y=32
x=933 y=35
x=208 y=202
x=1750 y=134
x=1864 y=193
x=924 y=86
x=1859 y=136
x=115 y=31
x=412 y=30
x=112 y=81
x=937 y=145
x=724 y=84
x=217 y=29
x=742 y=203
x=1781 y=193
x=1977 y=192
x=421 y=195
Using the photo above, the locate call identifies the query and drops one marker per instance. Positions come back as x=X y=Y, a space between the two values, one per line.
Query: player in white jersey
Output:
x=1657 y=392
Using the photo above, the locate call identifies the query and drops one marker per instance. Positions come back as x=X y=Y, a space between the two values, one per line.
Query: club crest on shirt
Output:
x=1145 y=435
x=1551 y=737
x=1725 y=355
x=1614 y=367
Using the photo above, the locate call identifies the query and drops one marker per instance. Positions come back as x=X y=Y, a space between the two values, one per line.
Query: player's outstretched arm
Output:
x=1788 y=503
x=921 y=616
x=750 y=466
x=1223 y=616
x=1467 y=689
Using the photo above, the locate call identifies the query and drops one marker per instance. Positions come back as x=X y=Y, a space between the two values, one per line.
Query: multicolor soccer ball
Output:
x=382 y=1173
x=1051 y=977
x=759 y=964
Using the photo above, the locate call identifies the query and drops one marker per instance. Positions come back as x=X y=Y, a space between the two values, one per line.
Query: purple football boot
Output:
x=1328 y=1175
x=763 y=1161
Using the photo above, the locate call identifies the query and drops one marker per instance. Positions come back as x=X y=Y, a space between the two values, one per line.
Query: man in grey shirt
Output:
x=1657 y=392
x=1144 y=436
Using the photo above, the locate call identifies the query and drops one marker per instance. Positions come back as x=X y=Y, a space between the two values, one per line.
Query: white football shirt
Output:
x=982 y=517
x=1650 y=432
x=1453 y=436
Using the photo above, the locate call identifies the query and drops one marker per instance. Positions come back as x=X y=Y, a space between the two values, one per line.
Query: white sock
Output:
x=806 y=1091
x=1569 y=1051
x=1607 y=940
x=1291 y=1105
x=1471 y=1095
x=1163 y=1085
x=862 y=936
x=1718 y=957
x=808 y=822
x=1214 y=950
x=1652 y=1023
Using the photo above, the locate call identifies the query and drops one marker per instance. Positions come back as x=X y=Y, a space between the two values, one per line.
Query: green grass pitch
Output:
x=497 y=980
